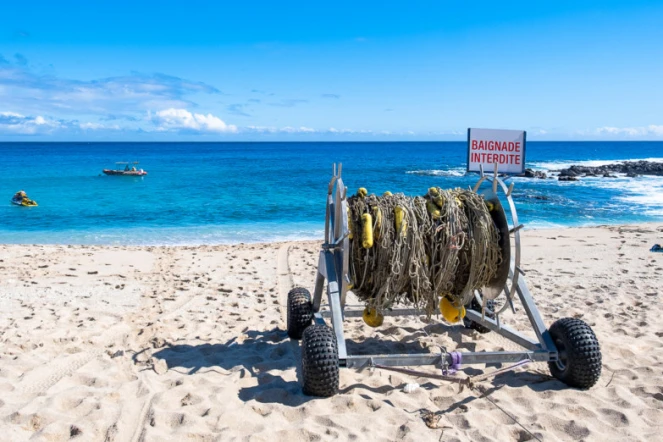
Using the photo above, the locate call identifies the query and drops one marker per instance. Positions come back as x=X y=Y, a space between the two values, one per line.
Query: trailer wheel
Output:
x=579 y=354
x=300 y=312
x=474 y=305
x=320 y=361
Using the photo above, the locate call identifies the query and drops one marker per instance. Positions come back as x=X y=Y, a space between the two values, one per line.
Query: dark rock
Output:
x=567 y=178
x=568 y=172
x=632 y=175
x=630 y=168
x=529 y=173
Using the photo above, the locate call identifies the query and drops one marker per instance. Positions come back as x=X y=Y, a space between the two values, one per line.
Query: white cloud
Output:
x=283 y=130
x=182 y=120
x=652 y=130
x=33 y=92
x=333 y=130
x=261 y=129
x=11 y=114
x=304 y=130
x=655 y=129
x=98 y=126
x=301 y=130
x=15 y=123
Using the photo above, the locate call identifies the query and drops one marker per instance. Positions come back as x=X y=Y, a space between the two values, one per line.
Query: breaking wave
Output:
x=437 y=172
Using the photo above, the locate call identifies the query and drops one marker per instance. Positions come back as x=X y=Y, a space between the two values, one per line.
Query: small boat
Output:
x=21 y=199
x=126 y=171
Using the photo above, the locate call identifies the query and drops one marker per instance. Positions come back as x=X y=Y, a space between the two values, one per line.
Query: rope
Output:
x=443 y=244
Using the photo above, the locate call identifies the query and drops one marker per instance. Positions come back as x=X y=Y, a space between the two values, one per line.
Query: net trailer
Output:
x=569 y=346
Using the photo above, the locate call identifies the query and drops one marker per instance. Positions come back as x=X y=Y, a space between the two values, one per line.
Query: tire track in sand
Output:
x=285 y=281
x=134 y=330
x=40 y=379
x=136 y=429
x=145 y=326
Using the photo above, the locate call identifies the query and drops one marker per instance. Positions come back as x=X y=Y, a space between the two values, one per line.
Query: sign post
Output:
x=487 y=147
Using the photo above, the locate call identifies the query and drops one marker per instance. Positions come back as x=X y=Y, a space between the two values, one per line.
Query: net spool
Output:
x=429 y=252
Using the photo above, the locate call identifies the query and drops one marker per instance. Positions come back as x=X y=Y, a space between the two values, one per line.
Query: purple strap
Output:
x=456 y=360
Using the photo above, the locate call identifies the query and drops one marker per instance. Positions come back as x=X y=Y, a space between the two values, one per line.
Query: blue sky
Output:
x=418 y=70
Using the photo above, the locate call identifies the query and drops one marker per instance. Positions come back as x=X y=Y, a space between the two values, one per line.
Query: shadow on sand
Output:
x=264 y=355
x=257 y=354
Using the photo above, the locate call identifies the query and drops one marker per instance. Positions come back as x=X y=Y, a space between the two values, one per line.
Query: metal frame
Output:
x=333 y=264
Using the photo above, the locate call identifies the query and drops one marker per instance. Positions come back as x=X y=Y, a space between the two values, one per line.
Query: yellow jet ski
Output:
x=21 y=199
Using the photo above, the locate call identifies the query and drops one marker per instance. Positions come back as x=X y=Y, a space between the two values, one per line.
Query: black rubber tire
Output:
x=300 y=312
x=320 y=361
x=474 y=305
x=579 y=360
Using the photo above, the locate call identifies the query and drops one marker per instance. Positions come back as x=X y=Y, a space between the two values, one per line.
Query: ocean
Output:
x=225 y=193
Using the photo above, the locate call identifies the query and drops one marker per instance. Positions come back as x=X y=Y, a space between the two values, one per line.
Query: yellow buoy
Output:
x=401 y=223
x=367 y=237
x=434 y=193
x=372 y=317
x=387 y=193
x=450 y=312
x=433 y=210
x=490 y=206
x=362 y=192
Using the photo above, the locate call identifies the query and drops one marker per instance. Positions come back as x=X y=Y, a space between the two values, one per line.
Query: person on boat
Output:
x=21 y=198
x=126 y=168
x=133 y=169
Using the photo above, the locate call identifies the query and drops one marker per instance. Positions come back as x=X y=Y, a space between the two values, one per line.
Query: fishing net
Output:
x=416 y=250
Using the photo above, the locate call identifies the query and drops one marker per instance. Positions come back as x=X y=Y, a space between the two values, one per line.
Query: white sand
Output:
x=188 y=343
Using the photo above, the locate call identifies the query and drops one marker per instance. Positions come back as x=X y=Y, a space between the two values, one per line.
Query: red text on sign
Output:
x=499 y=146
x=500 y=158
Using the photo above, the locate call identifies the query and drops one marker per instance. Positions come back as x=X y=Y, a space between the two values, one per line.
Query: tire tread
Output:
x=300 y=312
x=584 y=360
x=320 y=365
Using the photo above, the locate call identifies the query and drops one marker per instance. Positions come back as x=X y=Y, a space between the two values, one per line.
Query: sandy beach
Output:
x=189 y=343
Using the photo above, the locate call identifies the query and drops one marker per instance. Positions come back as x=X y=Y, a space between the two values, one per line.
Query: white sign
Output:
x=487 y=147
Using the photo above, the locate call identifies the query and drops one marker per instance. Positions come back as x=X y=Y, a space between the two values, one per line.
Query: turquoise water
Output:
x=211 y=193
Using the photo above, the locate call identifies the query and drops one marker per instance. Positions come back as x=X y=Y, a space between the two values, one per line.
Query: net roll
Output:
x=419 y=250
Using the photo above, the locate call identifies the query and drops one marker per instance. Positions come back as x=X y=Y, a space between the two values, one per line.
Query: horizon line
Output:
x=315 y=141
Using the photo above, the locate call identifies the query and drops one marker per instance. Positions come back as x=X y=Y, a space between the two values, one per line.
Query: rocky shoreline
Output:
x=628 y=168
